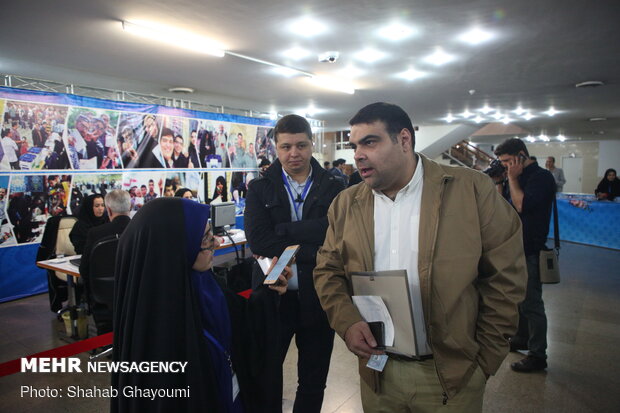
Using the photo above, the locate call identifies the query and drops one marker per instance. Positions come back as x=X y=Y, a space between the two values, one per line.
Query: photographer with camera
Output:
x=531 y=190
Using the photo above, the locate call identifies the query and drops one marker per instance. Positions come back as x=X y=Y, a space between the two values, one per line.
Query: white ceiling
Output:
x=540 y=51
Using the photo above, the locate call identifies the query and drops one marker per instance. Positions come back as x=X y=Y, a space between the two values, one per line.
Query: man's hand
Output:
x=515 y=167
x=360 y=340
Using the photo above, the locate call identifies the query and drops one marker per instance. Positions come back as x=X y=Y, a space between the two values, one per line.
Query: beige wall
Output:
x=588 y=151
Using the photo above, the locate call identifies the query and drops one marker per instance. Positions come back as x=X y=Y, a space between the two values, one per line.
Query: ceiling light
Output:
x=311 y=111
x=334 y=84
x=296 y=53
x=395 y=31
x=307 y=27
x=466 y=114
x=478 y=119
x=527 y=116
x=285 y=71
x=506 y=120
x=590 y=83
x=475 y=36
x=439 y=58
x=485 y=109
x=599 y=119
x=530 y=138
x=561 y=137
x=551 y=111
x=411 y=74
x=181 y=89
x=449 y=118
x=543 y=137
x=497 y=115
x=369 y=55
x=519 y=111
x=351 y=72
x=174 y=36
x=273 y=115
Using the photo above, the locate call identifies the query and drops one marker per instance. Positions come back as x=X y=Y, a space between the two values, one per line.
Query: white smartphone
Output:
x=284 y=260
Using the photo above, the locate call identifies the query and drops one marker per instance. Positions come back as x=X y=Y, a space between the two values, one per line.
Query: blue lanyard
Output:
x=219 y=347
x=297 y=203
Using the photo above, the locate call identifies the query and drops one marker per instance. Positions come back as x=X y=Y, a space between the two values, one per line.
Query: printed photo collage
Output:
x=41 y=136
x=27 y=201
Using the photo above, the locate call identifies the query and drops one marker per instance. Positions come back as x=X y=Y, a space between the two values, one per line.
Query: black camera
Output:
x=495 y=169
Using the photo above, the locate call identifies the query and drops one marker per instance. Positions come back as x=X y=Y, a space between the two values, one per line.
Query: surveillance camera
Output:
x=329 y=57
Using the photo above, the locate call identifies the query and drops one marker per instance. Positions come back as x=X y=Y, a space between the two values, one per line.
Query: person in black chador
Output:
x=92 y=214
x=609 y=187
x=169 y=307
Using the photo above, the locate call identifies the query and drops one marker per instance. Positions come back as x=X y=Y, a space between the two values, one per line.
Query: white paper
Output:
x=372 y=308
x=264 y=263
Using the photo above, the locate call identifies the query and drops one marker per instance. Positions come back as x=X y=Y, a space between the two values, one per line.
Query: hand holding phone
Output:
x=283 y=261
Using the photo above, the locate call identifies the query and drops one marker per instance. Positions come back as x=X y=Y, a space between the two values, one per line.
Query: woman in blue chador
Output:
x=169 y=306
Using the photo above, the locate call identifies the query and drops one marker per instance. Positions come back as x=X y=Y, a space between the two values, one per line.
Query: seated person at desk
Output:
x=609 y=187
x=118 y=205
x=168 y=305
x=91 y=215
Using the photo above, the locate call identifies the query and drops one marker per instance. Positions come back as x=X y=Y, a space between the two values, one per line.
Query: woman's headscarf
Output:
x=156 y=311
x=86 y=214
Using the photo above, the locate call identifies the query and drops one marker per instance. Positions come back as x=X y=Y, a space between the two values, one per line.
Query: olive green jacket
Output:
x=471 y=267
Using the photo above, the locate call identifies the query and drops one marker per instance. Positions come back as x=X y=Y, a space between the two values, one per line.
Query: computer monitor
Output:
x=222 y=216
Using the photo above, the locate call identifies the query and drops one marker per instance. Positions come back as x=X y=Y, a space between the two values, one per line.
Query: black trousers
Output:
x=314 y=339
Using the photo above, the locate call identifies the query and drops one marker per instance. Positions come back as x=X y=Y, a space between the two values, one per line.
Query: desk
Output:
x=63 y=265
x=226 y=252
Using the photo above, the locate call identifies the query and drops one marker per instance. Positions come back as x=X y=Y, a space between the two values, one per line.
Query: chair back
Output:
x=63 y=243
x=101 y=270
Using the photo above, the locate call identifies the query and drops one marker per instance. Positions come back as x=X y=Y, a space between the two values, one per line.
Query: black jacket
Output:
x=269 y=229
x=96 y=234
x=611 y=188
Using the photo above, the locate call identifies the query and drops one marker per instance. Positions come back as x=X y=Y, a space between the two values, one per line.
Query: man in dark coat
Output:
x=288 y=206
x=118 y=205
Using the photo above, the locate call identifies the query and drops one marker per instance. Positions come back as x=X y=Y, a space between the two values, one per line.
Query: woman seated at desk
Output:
x=169 y=307
x=92 y=214
x=609 y=187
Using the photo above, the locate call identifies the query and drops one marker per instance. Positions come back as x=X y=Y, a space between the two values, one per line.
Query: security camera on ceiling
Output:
x=329 y=57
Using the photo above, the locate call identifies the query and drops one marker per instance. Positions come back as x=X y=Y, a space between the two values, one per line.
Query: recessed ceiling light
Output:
x=530 y=138
x=296 y=53
x=528 y=116
x=411 y=74
x=396 y=31
x=449 y=118
x=543 y=137
x=485 y=109
x=497 y=115
x=599 y=119
x=334 y=84
x=561 y=137
x=174 y=36
x=551 y=111
x=285 y=71
x=466 y=114
x=369 y=55
x=506 y=120
x=273 y=115
x=478 y=119
x=307 y=27
x=351 y=72
x=181 y=89
x=519 y=111
x=590 y=83
x=475 y=36
x=439 y=58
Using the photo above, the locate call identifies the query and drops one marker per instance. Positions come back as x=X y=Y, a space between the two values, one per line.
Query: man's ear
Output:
x=406 y=139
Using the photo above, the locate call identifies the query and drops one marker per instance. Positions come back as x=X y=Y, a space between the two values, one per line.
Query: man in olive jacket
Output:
x=461 y=245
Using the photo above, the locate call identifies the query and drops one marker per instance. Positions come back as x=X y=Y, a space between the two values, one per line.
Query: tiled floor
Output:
x=584 y=338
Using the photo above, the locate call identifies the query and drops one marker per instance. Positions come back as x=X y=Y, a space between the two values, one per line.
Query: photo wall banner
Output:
x=56 y=149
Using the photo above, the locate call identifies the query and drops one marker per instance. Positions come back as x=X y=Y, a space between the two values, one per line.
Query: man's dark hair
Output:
x=142 y=186
x=336 y=163
x=552 y=158
x=264 y=162
x=151 y=181
x=167 y=132
x=292 y=124
x=511 y=146
x=393 y=116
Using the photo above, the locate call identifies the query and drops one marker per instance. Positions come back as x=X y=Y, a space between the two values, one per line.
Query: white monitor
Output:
x=222 y=215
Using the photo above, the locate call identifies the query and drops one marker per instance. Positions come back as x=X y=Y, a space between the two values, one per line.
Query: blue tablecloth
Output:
x=585 y=220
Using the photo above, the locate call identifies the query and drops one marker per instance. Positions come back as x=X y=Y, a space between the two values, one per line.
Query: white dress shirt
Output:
x=397 y=225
